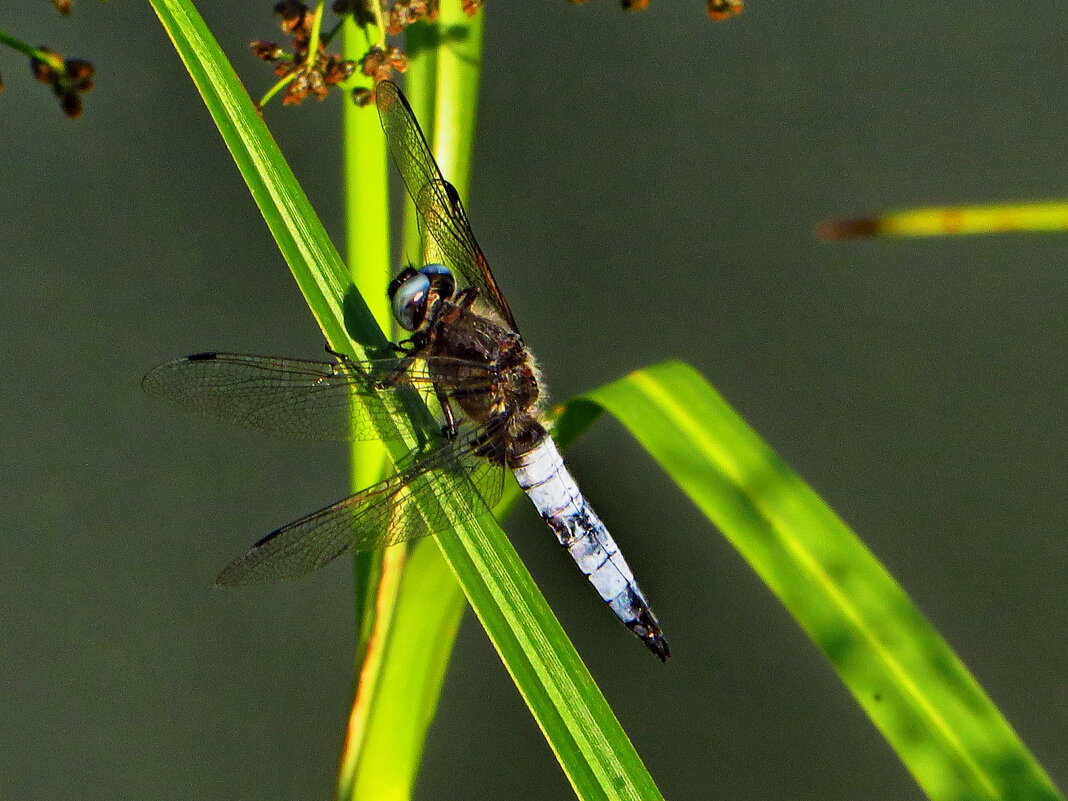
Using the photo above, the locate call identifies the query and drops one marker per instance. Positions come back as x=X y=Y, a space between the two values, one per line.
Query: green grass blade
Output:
x=581 y=729
x=397 y=697
x=994 y=218
x=376 y=574
x=599 y=760
x=908 y=680
x=457 y=69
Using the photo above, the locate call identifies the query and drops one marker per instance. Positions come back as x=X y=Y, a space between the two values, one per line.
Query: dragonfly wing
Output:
x=443 y=214
x=436 y=200
x=342 y=400
x=406 y=506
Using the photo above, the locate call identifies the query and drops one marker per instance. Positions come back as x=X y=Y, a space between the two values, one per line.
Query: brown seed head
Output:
x=719 y=10
x=362 y=96
x=296 y=91
x=295 y=16
x=81 y=74
x=337 y=70
x=69 y=80
x=268 y=51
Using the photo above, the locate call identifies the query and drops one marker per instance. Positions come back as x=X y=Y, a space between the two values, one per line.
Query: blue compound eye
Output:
x=410 y=301
x=435 y=270
x=440 y=278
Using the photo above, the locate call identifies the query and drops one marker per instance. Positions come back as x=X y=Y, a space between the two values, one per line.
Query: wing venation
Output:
x=436 y=200
x=408 y=505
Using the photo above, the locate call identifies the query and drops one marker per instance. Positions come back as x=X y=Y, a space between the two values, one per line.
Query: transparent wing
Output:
x=436 y=200
x=406 y=506
x=340 y=400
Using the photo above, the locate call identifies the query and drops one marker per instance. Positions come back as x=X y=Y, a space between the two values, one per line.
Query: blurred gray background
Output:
x=646 y=187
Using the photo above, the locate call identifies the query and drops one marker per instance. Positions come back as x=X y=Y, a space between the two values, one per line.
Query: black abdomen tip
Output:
x=658 y=645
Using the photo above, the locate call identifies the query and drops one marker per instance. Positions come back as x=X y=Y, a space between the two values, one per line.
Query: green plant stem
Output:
x=401 y=677
x=376 y=575
x=380 y=21
x=54 y=61
x=314 y=39
x=278 y=87
x=459 y=63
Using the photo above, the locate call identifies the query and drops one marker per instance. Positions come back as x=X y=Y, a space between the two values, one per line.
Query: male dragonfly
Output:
x=466 y=351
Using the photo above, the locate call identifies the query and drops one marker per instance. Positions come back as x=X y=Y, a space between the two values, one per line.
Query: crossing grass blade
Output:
x=581 y=729
x=922 y=698
x=418 y=606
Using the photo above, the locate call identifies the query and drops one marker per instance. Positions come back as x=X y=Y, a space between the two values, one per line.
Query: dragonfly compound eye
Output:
x=410 y=301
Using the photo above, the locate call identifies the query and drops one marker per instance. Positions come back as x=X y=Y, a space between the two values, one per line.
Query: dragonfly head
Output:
x=415 y=293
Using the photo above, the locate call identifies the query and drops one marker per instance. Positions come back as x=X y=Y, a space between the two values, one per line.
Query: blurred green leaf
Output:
x=418 y=610
x=915 y=689
x=996 y=218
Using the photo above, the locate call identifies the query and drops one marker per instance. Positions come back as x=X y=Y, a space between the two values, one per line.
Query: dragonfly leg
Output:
x=412 y=345
x=467 y=297
x=449 y=429
x=344 y=358
x=394 y=374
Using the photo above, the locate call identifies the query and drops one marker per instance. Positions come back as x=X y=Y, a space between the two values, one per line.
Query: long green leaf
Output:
x=376 y=574
x=594 y=752
x=401 y=678
x=995 y=218
x=915 y=689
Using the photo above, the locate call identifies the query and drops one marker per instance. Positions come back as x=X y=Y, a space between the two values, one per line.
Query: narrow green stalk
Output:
x=367 y=226
x=421 y=47
x=380 y=21
x=29 y=51
x=376 y=575
x=459 y=63
x=402 y=674
x=278 y=87
x=314 y=38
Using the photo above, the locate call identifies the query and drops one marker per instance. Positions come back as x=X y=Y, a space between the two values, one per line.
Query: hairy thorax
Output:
x=506 y=391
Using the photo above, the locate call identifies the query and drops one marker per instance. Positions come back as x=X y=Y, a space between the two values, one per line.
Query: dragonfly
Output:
x=464 y=359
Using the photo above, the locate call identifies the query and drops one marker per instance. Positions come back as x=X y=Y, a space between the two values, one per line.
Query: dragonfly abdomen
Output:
x=546 y=481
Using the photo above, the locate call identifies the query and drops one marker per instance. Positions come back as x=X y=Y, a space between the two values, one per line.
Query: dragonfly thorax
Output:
x=415 y=293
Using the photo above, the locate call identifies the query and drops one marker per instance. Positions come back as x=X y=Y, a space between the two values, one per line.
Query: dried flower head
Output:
x=362 y=96
x=719 y=10
x=309 y=69
x=296 y=18
x=306 y=68
x=380 y=63
x=69 y=78
x=268 y=51
x=404 y=12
